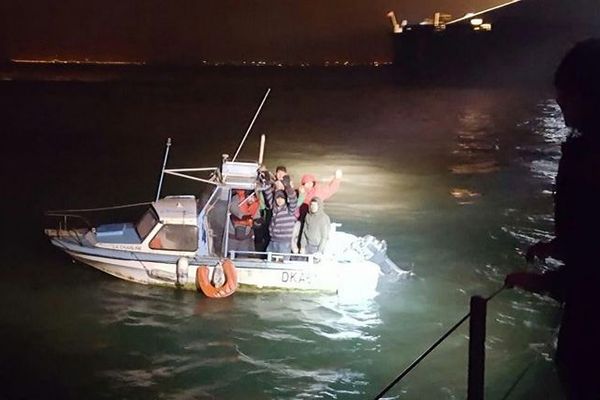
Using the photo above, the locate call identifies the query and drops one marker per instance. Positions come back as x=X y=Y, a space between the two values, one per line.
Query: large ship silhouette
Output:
x=521 y=40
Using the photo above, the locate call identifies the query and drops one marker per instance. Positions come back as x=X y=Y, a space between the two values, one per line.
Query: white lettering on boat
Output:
x=128 y=247
x=120 y=246
x=296 y=277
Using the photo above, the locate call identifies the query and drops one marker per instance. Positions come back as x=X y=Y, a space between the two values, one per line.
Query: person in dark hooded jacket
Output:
x=315 y=232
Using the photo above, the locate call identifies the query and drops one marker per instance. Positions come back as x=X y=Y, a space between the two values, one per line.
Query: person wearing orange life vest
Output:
x=245 y=216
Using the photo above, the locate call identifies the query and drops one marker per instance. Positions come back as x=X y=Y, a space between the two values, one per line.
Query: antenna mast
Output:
x=251 y=124
x=162 y=172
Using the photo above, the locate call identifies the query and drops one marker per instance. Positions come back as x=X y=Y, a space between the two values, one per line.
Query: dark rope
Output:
x=421 y=357
x=496 y=293
x=518 y=380
x=51 y=213
x=432 y=347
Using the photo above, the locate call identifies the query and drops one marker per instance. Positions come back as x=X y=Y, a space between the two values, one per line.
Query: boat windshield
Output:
x=146 y=223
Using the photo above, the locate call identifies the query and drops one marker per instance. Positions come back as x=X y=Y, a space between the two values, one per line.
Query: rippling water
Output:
x=457 y=180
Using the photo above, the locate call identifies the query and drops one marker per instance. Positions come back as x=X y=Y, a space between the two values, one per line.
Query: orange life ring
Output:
x=204 y=285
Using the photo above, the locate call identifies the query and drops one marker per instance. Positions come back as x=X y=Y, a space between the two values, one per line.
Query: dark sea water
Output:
x=457 y=180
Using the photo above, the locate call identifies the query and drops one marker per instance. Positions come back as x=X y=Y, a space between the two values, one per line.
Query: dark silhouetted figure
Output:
x=577 y=224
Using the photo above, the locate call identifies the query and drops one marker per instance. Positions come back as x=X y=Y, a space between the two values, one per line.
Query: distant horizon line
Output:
x=203 y=63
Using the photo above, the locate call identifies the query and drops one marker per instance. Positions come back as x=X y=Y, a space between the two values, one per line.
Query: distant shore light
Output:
x=84 y=62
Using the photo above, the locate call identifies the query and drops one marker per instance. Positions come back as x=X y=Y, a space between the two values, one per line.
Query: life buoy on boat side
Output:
x=204 y=285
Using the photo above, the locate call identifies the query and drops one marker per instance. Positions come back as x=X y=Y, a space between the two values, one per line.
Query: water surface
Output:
x=458 y=181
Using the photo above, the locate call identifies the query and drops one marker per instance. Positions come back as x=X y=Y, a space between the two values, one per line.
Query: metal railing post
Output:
x=475 y=390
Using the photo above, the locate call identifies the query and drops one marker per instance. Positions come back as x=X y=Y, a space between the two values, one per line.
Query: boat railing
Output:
x=476 y=357
x=270 y=256
x=64 y=218
x=76 y=213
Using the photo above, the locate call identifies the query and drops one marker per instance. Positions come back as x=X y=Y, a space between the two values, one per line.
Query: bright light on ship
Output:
x=476 y=21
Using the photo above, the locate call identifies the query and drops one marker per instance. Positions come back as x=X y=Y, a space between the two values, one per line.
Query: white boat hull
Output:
x=327 y=275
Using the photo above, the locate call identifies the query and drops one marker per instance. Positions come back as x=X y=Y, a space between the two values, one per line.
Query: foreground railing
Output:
x=477 y=331
x=274 y=257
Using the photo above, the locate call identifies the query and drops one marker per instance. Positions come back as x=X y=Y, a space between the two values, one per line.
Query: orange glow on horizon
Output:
x=84 y=62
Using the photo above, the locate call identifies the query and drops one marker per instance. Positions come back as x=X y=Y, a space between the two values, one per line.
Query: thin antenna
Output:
x=251 y=124
x=162 y=172
x=261 y=153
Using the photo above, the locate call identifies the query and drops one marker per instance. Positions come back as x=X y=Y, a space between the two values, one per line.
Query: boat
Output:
x=182 y=242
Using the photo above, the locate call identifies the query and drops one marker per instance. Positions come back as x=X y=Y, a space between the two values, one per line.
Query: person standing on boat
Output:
x=280 y=173
x=261 y=232
x=310 y=188
x=245 y=216
x=315 y=232
x=283 y=206
x=274 y=183
x=577 y=222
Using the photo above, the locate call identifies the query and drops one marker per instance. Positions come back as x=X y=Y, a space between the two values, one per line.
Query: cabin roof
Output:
x=179 y=210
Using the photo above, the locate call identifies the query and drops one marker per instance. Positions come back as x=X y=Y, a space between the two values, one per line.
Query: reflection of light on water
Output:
x=550 y=127
x=298 y=322
x=478 y=167
x=138 y=377
x=328 y=312
x=475 y=150
x=476 y=144
x=541 y=157
x=551 y=123
x=319 y=375
x=464 y=196
x=545 y=169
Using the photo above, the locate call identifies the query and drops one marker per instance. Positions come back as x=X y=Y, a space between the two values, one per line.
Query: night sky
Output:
x=190 y=31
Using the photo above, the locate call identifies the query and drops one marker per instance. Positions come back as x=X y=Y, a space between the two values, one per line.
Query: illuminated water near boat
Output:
x=457 y=180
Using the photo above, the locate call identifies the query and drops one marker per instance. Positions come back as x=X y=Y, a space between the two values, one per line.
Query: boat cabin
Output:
x=190 y=227
x=169 y=226
x=173 y=225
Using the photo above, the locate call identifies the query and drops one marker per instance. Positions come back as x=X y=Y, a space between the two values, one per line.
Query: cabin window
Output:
x=146 y=223
x=176 y=237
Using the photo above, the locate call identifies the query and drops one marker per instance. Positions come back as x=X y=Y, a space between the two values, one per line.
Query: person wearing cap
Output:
x=315 y=233
x=283 y=206
x=310 y=188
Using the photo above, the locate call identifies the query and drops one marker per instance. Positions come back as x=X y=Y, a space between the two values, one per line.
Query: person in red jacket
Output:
x=310 y=188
